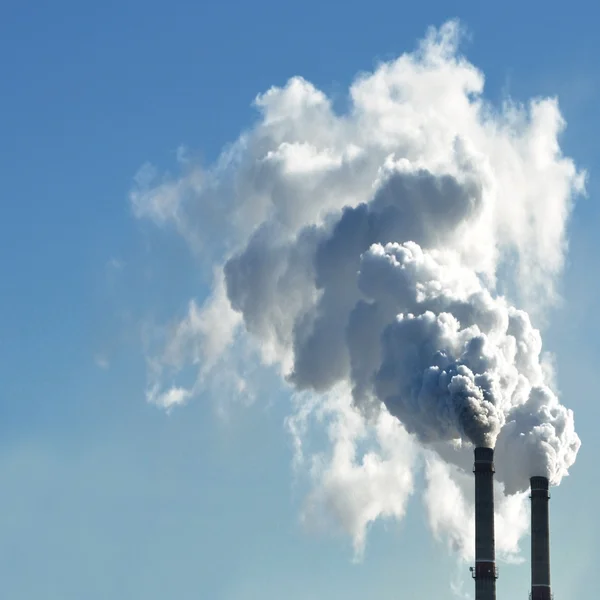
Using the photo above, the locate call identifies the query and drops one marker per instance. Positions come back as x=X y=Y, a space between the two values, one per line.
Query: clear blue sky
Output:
x=105 y=496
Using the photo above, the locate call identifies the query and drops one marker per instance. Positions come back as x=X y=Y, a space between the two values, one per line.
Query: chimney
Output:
x=484 y=573
x=540 y=539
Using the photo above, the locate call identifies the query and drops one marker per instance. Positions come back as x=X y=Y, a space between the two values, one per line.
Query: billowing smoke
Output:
x=366 y=252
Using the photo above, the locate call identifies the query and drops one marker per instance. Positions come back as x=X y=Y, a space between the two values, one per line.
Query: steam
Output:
x=363 y=255
x=457 y=363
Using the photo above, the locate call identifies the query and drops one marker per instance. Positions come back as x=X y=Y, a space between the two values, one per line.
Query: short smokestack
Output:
x=484 y=573
x=540 y=539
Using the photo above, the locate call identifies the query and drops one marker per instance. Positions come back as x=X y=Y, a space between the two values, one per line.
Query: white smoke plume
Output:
x=365 y=252
x=366 y=472
x=451 y=514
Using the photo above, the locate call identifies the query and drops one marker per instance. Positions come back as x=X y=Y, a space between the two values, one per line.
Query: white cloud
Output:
x=205 y=332
x=168 y=399
x=488 y=185
x=208 y=341
x=448 y=499
x=365 y=474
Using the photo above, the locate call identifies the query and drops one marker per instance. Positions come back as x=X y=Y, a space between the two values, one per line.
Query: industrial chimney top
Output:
x=484 y=454
x=539 y=484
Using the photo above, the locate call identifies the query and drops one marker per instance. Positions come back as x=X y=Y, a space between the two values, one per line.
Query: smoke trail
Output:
x=363 y=252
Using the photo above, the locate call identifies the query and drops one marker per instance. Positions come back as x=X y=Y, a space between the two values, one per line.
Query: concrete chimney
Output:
x=484 y=572
x=540 y=539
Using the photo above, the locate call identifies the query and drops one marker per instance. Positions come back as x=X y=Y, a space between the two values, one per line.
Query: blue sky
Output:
x=105 y=495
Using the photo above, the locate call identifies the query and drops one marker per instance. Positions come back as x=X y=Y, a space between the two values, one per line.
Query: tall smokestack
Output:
x=540 y=539
x=484 y=573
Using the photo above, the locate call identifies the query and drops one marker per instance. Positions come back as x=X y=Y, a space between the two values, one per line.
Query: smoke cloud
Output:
x=363 y=254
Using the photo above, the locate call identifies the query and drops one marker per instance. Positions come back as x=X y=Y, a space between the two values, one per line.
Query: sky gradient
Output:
x=107 y=496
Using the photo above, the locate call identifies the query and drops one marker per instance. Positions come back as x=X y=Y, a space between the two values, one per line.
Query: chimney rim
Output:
x=539 y=482
x=484 y=455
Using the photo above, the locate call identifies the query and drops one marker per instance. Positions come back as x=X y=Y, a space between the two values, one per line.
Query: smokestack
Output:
x=540 y=539
x=484 y=573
